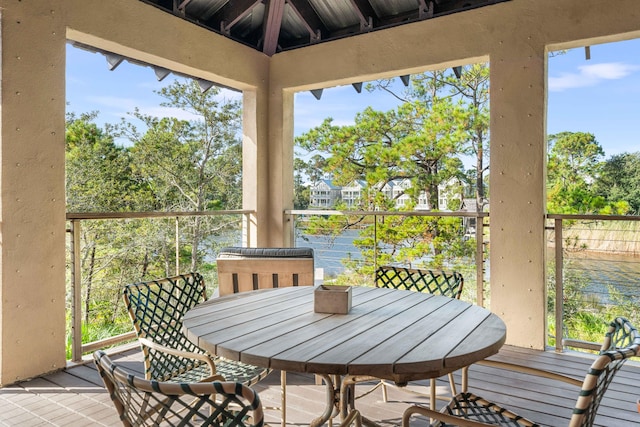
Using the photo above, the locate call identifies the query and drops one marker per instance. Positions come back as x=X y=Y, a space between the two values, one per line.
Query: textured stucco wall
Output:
x=32 y=227
x=513 y=36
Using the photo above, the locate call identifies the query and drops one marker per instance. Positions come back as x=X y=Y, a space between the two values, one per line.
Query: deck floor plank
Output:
x=76 y=397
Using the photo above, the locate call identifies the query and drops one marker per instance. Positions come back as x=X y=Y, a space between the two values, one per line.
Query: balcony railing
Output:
x=594 y=260
x=374 y=217
x=75 y=220
x=577 y=241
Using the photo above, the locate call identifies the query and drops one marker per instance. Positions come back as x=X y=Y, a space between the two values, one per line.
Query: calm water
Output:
x=602 y=271
x=599 y=270
x=329 y=251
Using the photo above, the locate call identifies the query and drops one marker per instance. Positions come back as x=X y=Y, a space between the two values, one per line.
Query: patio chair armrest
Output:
x=186 y=354
x=531 y=371
x=435 y=415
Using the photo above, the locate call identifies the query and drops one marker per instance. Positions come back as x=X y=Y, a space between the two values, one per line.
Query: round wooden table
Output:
x=389 y=334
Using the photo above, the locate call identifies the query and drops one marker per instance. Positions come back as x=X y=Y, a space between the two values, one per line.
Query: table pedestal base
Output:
x=340 y=399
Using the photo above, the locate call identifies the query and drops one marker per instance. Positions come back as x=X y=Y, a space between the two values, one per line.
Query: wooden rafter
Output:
x=309 y=18
x=261 y=24
x=271 y=27
x=365 y=12
x=232 y=12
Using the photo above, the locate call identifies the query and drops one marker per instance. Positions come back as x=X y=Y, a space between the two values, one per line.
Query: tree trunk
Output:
x=195 y=243
x=479 y=175
x=92 y=262
x=145 y=263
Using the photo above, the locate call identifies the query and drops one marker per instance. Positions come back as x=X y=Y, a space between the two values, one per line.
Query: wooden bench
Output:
x=247 y=269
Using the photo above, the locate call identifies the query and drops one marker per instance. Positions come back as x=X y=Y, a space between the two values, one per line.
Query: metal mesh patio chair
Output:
x=621 y=342
x=246 y=269
x=448 y=284
x=142 y=402
x=435 y=282
x=156 y=308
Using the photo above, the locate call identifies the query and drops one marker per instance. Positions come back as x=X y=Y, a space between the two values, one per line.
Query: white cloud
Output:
x=124 y=104
x=609 y=71
x=169 y=112
x=591 y=75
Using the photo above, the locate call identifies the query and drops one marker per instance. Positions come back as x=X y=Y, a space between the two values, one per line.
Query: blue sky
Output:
x=600 y=95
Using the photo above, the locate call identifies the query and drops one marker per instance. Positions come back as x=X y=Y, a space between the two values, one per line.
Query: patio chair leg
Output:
x=452 y=384
x=283 y=397
x=432 y=393
x=465 y=379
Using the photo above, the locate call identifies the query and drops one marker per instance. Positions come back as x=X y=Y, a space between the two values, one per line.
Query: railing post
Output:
x=290 y=222
x=559 y=286
x=177 y=245
x=246 y=230
x=375 y=245
x=480 y=260
x=76 y=293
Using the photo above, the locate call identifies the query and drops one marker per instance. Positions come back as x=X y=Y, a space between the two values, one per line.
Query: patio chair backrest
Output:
x=248 y=269
x=142 y=402
x=156 y=308
x=622 y=342
x=436 y=282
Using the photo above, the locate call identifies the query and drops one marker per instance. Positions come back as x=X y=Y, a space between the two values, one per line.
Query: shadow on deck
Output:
x=76 y=397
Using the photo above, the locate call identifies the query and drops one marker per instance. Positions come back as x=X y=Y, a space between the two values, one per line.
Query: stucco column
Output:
x=255 y=167
x=32 y=197
x=280 y=164
x=518 y=130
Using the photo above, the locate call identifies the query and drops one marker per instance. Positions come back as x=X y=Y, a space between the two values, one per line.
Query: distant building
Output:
x=423 y=202
x=324 y=194
x=398 y=192
x=453 y=189
x=352 y=194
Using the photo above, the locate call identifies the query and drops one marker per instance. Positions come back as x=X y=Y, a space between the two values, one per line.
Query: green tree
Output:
x=417 y=145
x=98 y=172
x=98 y=179
x=619 y=180
x=469 y=87
x=407 y=143
x=173 y=164
x=301 y=192
x=574 y=165
x=191 y=165
x=472 y=87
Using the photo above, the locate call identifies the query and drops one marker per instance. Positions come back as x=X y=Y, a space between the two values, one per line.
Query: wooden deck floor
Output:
x=76 y=397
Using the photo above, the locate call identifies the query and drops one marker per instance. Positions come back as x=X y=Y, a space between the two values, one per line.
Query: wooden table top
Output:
x=391 y=334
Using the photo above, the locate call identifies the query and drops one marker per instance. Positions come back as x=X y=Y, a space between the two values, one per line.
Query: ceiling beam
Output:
x=240 y=19
x=365 y=13
x=182 y=5
x=425 y=10
x=271 y=28
x=309 y=18
x=229 y=14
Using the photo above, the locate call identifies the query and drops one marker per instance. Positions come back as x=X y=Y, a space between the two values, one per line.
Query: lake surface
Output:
x=600 y=271
x=330 y=251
